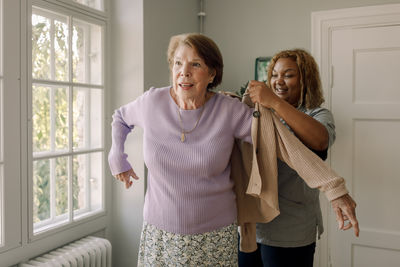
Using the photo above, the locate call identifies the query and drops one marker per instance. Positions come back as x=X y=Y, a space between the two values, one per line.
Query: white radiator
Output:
x=86 y=252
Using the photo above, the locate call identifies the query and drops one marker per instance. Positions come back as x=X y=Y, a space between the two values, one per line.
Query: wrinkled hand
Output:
x=345 y=210
x=260 y=93
x=125 y=177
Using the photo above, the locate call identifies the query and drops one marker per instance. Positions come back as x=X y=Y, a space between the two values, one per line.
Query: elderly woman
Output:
x=190 y=210
x=294 y=92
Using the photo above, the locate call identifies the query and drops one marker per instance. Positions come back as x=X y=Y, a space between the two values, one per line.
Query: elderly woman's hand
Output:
x=345 y=210
x=125 y=177
x=260 y=93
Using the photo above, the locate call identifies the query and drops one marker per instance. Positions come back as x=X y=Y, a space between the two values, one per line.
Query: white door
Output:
x=365 y=101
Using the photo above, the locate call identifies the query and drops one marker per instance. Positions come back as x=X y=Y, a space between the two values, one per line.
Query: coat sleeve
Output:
x=315 y=172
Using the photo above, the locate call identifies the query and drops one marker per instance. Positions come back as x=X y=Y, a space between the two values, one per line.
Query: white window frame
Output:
x=20 y=243
x=69 y=85
x=104 y=12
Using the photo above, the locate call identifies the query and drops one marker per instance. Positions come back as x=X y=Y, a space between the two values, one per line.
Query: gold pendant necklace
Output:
x=183 y=132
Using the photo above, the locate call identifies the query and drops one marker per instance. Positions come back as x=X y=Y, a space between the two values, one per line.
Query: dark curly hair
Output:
x=311 y=90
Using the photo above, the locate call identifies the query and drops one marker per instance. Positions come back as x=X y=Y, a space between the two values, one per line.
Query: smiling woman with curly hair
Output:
x=294 y=92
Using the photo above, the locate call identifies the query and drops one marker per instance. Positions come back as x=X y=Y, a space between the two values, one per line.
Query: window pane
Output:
x=49 y=46
x=61 y=118
x=96 y=4
x=87 y=53
x=87 y=107
x=96 y=181
x=50 y=192
x=41 y=118
x=41 y=190
x=61 y=184
x=41 y=47
x=50 y=118
x=61 y=50
x=87 y=183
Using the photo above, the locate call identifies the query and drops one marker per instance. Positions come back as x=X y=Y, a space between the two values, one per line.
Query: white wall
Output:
x=163 y=19
x=245 y=30
x=127 y=84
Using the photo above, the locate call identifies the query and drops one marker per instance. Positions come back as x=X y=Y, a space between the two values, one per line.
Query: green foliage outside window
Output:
x=41 y=190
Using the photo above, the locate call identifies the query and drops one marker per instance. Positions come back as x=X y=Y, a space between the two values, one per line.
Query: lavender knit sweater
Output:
x=189 y=188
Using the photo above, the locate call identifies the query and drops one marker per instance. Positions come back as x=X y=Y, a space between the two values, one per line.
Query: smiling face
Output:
x=285 y=80
x=190 y=74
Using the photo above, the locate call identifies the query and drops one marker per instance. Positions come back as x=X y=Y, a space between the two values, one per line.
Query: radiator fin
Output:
x=87 y=252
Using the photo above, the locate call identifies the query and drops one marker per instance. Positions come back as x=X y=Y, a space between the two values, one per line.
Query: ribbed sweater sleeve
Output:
x=124 y=120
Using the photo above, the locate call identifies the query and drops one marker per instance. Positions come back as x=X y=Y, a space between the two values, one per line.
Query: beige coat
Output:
x=256 y=181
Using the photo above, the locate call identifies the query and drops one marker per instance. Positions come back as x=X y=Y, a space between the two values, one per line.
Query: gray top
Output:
x=300 y=217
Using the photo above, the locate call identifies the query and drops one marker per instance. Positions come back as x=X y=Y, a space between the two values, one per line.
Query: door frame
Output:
x=323 y=23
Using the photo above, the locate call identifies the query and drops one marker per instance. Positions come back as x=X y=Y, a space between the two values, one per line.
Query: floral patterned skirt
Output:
x=161 y=248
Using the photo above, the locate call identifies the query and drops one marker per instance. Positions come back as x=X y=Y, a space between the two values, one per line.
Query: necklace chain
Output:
x=183 y=132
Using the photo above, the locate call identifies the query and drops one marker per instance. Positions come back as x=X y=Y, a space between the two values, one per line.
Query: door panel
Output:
x=366 y=106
